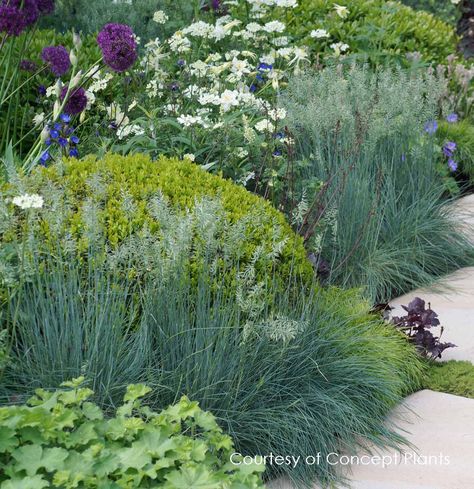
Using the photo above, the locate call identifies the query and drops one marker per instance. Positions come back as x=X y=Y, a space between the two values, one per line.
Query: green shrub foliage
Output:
x=62 y=440
x=124 y=196
x=377 y=30
x=90 y=17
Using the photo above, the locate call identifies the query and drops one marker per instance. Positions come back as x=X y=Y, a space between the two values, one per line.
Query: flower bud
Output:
x=56 y=109
x=76 y=80
x=45 y=134
x=58 y=87
x=76 y=39
x=73 y=58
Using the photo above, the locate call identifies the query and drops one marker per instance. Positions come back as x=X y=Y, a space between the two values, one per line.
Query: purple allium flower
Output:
x=45 y=6
x=431 y=127
x=449 y=148
x=453 y=166
x=28 y=65
x=77 y=100
x=118 y=46
x=452 y=118
x=17 y=15
x=57 y=59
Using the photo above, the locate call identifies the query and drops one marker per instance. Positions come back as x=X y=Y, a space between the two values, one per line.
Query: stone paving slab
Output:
x=453 y=296
x=453 y=300
x=441 y=426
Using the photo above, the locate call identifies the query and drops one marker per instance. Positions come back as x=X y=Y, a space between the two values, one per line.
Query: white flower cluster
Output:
x=28 y=201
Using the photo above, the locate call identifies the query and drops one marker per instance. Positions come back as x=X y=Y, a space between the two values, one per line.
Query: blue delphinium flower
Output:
x=61 y=136
x=451 y=118
x=453 y=166
x=449 y=148
x=264 y=67
x=44 y=158
x=431 y=127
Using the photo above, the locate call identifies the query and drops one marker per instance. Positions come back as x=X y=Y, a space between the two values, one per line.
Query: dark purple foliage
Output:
x=217 y=6
x=45 y=6
x=416 y=325
x=17 y=15
x=76 y=102
x=57 y=58
x=118 y=46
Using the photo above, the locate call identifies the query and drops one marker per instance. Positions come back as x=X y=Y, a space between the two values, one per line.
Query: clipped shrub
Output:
x=62 y=440
x=120 y=197
x=445 y=10
x=376 y=30
x=300 y=375
x=384 y=224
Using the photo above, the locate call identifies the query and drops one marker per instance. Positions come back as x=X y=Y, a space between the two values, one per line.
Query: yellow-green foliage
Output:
x=382 y=30
x=452 y=377
x=182 y=183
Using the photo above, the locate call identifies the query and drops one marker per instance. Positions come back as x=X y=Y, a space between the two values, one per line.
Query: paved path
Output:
x=453 y=298
x=439 y=425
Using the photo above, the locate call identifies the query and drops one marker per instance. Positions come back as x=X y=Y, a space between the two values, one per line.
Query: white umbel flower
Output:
x=28 y=201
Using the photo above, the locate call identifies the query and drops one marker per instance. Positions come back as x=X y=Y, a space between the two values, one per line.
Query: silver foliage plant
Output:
x=201 y=238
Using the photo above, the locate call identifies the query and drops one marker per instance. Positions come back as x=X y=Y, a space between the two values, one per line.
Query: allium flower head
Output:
x=76 y=102
x=57 y=58
x=118 y=45
x=17 y=15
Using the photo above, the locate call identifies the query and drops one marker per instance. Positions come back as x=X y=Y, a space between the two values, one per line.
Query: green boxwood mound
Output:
x=120 y=190
x=375 y=29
